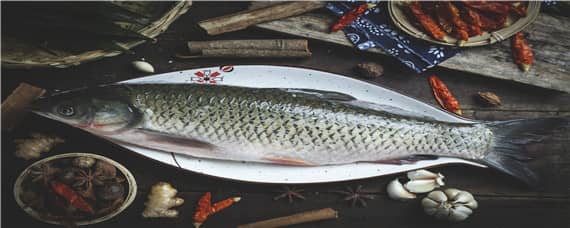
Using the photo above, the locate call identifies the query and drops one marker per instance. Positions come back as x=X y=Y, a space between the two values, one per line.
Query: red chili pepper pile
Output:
x=463 y=19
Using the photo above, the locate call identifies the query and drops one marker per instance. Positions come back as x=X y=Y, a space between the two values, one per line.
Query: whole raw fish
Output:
x=285 y=126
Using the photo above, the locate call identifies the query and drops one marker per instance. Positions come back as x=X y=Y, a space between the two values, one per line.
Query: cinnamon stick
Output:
x=17 y=105
x=241 y=20
x=303 y=217
x=270 y=48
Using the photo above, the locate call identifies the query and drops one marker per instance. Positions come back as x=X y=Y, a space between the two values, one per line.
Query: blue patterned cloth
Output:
x=375 y=29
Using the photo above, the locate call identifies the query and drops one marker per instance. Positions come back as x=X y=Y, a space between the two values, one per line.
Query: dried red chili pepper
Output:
x=441 y=20
x=350 y=16
x=452 y=14
x=444 y=96
x=474 y=21
x=205 y=207
x=426 y=21
x=491 y=23
x=71 y=196
x=202 y=209
x=517 y=8
x=522 y=54
x=489 y=7
x=218 y=206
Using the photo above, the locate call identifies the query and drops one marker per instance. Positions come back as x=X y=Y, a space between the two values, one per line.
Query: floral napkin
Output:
x=375 y=29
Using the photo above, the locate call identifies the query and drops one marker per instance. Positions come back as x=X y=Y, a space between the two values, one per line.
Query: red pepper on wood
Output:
x=350 y=16
x=444 y=96
x=71 y=196
x=426 y=21
x=522 y=54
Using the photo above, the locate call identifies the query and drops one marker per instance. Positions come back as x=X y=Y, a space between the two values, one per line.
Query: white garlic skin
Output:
x=396 y=191
x=143 y=66
x=451 y=204
x=422 y=181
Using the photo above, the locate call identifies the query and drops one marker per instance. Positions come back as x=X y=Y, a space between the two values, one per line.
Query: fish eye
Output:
x=66 y=110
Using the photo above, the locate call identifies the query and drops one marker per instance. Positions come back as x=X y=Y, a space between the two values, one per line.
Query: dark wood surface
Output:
x=504 y=202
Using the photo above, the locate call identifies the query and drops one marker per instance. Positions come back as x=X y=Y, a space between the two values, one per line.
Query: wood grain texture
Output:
x=548 y=36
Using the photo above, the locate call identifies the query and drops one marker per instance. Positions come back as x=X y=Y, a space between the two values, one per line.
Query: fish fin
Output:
x=387 y=109
x=162 y=138
x=407 y=160
x=321 y=94
x=508 y=154
x=287 y=161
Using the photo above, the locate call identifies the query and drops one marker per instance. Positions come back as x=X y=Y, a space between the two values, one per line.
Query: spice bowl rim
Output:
x=129 y=198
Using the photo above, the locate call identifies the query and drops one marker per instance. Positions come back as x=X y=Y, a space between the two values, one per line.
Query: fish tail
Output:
x=508 y=153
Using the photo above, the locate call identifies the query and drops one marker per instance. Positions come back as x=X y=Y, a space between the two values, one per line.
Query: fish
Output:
x=288 y=126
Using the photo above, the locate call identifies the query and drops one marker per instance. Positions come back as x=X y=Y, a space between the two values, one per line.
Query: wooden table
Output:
x=503 y=201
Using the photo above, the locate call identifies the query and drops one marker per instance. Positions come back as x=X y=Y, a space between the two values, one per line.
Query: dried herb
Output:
x=444 y=96
x=356 y=196
x=290 y=193
x=351 y=16
x=522 y=54
x=43 y=172
x=370 y=69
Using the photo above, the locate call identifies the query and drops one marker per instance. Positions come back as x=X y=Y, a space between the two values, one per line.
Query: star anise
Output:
x=355 y=196
x=88 y=178
x=42 y=172
x=290 y=192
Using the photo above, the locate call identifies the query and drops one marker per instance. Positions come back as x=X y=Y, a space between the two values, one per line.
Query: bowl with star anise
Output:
x=75 y=189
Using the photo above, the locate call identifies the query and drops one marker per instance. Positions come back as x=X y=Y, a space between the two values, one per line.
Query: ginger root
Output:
x=162 y=197
x=38 y=143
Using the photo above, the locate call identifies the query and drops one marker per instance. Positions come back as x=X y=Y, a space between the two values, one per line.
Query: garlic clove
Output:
x=459 y=213
x=421 y=174
x=463 y=197
x=143 y=66
x=442 y=212
x=421 y=186
x=430 y=203
x=437 y=196
x=452 y=192
x=397 y=191
x=472 y=204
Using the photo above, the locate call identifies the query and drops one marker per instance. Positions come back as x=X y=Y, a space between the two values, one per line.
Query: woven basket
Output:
x=397 y=10
x=22 y=55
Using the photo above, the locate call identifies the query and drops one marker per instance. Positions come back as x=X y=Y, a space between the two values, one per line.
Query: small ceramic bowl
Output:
x=130 y=183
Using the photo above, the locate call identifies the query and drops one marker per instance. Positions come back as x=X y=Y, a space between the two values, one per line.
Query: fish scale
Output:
x=265 y=123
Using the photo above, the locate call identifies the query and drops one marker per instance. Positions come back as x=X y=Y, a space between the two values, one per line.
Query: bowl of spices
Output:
x=75 y=188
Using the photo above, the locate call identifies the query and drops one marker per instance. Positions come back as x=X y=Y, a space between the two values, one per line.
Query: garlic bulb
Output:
x=397 y=191
x=451 y=204
x=422 y=181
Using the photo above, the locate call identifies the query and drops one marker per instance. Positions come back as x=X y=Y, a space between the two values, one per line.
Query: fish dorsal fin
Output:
x=327 y=95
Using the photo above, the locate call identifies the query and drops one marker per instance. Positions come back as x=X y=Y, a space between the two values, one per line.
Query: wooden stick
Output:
x=243 y=19
x=196 y=47
x=304 y=217
x=17 y=105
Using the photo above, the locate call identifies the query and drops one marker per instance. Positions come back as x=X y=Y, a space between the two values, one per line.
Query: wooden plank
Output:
x=548 y=36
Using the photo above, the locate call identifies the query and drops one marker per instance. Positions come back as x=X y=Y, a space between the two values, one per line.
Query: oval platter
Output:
x=402 y=21
x=262 y=76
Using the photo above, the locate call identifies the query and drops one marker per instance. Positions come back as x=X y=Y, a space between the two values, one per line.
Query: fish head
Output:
x=98 y=110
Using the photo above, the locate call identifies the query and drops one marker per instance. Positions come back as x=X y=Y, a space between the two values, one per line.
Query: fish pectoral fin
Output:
x=286 y=161
x=156 y=137
x=321 y=94
x=407 y=160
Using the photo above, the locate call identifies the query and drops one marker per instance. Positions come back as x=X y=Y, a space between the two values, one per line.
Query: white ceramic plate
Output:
x=291 y=77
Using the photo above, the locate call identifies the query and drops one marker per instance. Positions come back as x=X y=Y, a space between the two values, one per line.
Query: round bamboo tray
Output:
x=399 y=15
x=16 y=54
x=129 y=198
